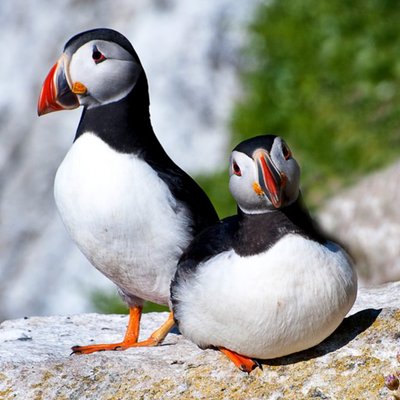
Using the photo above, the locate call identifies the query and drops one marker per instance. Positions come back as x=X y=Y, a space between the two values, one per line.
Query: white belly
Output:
x=121 y=215
x=265 y=306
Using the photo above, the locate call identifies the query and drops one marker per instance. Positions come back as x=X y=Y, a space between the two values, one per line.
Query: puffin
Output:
x=128 y=207
x=265 y=282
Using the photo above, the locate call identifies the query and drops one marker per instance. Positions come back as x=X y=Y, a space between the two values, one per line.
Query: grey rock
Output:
x=366 y=218
x=35 y=361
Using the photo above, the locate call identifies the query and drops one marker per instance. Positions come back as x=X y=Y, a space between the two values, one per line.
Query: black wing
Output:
x=190 y=194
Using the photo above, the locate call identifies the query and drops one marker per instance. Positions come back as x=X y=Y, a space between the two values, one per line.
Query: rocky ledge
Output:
x=35 y=360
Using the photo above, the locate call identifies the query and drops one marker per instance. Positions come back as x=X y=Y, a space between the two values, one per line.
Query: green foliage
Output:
x=152 y=307
x=325 y=75
x=216 y=187
x=110 y=303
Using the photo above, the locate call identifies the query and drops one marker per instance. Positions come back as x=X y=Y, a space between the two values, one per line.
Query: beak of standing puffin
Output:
x=56 y=93
x=271 y=181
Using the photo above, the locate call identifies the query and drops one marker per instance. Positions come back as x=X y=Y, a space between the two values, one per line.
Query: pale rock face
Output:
x=35 y=360
x=367 y=219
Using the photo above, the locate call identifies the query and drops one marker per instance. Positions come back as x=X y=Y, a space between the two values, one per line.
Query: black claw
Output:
x=258 y=364
x=244 y=369
x=75 y=350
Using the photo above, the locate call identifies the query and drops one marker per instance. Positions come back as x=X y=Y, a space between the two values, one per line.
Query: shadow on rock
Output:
x=349 y=329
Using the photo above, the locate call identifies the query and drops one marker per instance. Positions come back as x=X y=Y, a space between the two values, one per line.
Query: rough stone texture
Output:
x=35 y=361
x=367 y=219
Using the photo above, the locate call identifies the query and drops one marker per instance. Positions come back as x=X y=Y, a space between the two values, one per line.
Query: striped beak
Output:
x=271 y=180
x=56 y=93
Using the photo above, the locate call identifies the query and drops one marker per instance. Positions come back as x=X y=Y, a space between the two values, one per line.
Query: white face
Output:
x=107 y=71
x=247 y=183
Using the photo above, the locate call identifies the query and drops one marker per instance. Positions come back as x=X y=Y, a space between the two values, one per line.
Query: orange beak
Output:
x=271 y=180
x=56 y=93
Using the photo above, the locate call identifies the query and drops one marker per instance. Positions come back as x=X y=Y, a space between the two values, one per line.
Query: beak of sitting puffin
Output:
x=57 y=93
x=271 y=181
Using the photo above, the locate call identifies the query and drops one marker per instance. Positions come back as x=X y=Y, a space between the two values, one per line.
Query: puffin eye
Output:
x=286 y=151
x=236 y=169
x=97 y=55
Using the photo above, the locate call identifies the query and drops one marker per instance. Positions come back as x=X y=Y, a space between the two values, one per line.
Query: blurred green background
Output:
x=325 y=75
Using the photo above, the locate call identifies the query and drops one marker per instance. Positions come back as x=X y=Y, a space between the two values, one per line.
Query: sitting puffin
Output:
x=266 y=282
x=128 y=207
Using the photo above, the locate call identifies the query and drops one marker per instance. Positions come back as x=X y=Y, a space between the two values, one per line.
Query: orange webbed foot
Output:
x=244 y=363
x=100 y=347
x=131 y=336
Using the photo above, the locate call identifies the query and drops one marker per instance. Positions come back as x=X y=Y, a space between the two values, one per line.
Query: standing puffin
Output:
x=263 y=283
x=128 y=207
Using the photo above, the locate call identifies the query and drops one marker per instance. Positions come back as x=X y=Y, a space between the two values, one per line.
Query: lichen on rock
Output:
x=35 y=360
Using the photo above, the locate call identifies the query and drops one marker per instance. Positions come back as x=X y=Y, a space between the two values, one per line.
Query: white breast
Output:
x=121 y=215
x=285 y=300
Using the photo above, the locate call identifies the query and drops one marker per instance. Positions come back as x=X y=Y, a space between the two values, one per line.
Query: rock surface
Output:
x=35 y=361
x=367 y=219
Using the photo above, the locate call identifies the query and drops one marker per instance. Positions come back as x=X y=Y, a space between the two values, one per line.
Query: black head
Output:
x=105 y=34
x=257 y=142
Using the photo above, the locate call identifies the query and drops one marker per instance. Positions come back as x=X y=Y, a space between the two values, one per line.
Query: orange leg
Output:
x=158 y=335
x=245 y=364
x=131 y=335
